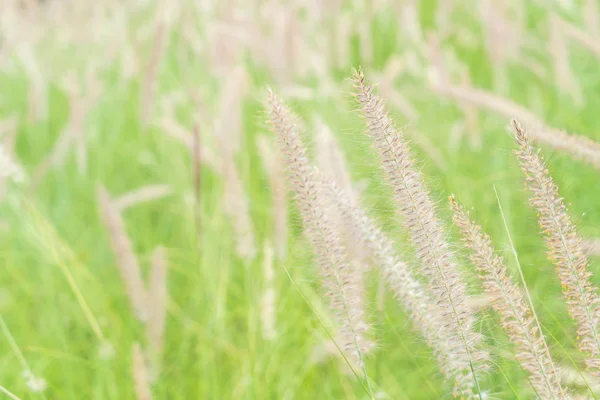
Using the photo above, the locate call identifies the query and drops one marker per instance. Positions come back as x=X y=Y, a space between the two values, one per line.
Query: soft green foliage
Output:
x=58 y=276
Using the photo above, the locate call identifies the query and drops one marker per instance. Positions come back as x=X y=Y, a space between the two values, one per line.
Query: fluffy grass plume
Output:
x=565 y=248
x=413 y=296
x=578 y=146
x=127 y=261
x=343 y=282
x=518 y=318
x=426 y=233
x=330 y=159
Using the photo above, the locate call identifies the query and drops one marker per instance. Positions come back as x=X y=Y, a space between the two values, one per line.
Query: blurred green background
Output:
x=92 y=93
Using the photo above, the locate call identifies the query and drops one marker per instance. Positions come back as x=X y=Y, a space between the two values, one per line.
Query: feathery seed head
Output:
x=428 y=238
x=565 y=248
x=518 y=319
x=127 y=261
x=343 y=282
x=423 y=310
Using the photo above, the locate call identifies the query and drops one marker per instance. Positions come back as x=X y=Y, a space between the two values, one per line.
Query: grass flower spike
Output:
x=343 y=282
x=427 y=236
x=508 y=300
x=565 y=248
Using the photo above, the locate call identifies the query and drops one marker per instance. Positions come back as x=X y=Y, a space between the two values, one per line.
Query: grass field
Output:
x=65 y=315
